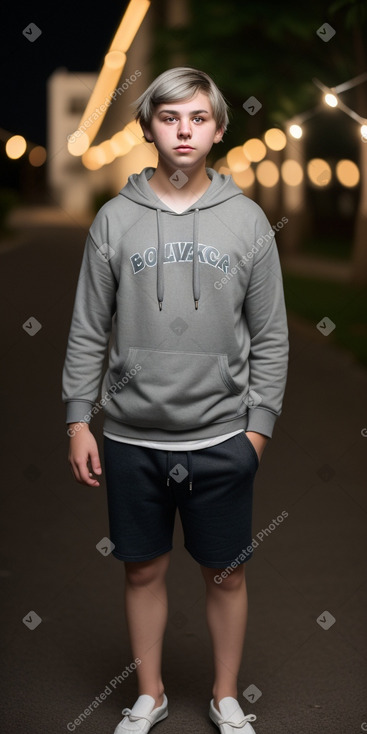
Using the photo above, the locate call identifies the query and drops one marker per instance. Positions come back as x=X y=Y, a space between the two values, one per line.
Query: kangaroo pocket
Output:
x=174 y=390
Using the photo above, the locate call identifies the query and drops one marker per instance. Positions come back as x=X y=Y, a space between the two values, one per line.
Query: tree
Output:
x=355 y=13
x=269 y=50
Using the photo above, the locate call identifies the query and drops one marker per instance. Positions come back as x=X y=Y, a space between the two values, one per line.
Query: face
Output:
x=184 y=132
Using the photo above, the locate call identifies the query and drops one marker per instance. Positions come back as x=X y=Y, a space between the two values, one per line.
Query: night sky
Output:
x=74 y=35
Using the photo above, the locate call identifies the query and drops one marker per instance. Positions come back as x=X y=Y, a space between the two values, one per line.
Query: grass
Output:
x=344 y=304
x=337 y=248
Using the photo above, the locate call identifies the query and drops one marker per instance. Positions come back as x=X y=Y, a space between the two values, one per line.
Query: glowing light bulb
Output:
x=296 y=131
x=331 y=100
x=15 y=147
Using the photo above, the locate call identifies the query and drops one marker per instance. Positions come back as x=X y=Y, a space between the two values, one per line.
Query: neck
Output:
x=196 y=186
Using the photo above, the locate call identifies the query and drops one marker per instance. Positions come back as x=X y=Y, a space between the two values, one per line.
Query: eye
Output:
x=169 y=119
x=201 y=119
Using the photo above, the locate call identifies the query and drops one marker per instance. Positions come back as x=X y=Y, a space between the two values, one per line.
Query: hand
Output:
x=83 y=448
x=258 y=441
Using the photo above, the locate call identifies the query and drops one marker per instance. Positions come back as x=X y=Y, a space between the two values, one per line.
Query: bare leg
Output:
x=146 y=614
x=226 y=609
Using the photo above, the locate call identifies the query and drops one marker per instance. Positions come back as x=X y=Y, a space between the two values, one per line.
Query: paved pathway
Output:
x=305 y=647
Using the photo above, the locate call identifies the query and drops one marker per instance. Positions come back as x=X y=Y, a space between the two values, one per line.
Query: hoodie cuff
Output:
x=261 y=421
x=79 y=411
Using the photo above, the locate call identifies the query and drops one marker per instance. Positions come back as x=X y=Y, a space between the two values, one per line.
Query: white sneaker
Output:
x=142 y=716
x=231 y=719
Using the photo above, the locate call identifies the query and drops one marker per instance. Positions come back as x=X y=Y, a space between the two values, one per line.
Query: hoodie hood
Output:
x=221 y=189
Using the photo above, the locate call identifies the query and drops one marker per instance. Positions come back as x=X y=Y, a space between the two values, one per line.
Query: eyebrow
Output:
x=175 y=112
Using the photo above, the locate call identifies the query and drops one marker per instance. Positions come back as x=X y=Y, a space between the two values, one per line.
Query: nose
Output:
x=184 y=129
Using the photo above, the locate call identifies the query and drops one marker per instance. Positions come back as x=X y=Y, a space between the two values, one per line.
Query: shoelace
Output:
x=127 y=712
x=241 y=724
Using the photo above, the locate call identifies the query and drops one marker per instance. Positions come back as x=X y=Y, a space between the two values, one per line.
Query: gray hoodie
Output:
x=192 y=309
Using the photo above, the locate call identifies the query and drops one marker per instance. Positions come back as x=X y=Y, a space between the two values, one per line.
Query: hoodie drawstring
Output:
x=189 y=466
x=160 y=248
x=195 y=258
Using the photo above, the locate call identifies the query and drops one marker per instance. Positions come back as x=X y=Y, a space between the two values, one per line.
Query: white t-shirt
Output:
x=201 y=443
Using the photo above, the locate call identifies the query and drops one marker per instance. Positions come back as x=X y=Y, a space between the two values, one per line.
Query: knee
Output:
x=146 y=573
x=234 y=580
x=230 y=580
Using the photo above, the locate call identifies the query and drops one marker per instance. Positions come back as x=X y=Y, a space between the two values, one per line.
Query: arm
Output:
x=89 y=334
x=83 y=454
x=265 y=313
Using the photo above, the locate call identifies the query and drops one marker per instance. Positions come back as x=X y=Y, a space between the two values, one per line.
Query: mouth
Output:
x=184 y=147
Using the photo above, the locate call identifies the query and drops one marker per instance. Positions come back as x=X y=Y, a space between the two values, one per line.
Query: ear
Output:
x=219 y=135
x=147 y=134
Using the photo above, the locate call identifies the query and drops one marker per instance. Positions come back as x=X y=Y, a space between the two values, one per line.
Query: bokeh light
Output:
x=37 y=156
x=134 y=128
x=78 y=142
x=120 y=144
x=15 y=147
x=347 y=173
x=319 y=172
x=291 y=172
x=296 y=131
x=93 y=158
x=254 y=149
x=237 y=160
x=275 y=139
x=331 y=100
x=107 y=151
x=267 y=173
x=244 y=179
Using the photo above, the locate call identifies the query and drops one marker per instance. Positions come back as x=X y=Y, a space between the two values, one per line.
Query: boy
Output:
x=183 y=270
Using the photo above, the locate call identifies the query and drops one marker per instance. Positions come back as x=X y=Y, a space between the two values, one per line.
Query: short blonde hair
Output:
x=176 y=85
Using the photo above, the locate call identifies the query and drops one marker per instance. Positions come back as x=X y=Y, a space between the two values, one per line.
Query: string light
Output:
x=114 y=62
x=318 y=170
x=16 y=146
x=333 y=100
x=296 y=131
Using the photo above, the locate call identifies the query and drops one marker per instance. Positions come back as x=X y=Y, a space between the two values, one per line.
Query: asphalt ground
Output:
x=304 y=663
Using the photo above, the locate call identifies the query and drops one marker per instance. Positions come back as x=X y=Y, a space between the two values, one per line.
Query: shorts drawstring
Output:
x=169 y=454
x=189 y=465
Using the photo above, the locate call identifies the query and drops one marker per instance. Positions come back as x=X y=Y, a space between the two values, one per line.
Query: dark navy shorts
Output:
x=212 y=489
